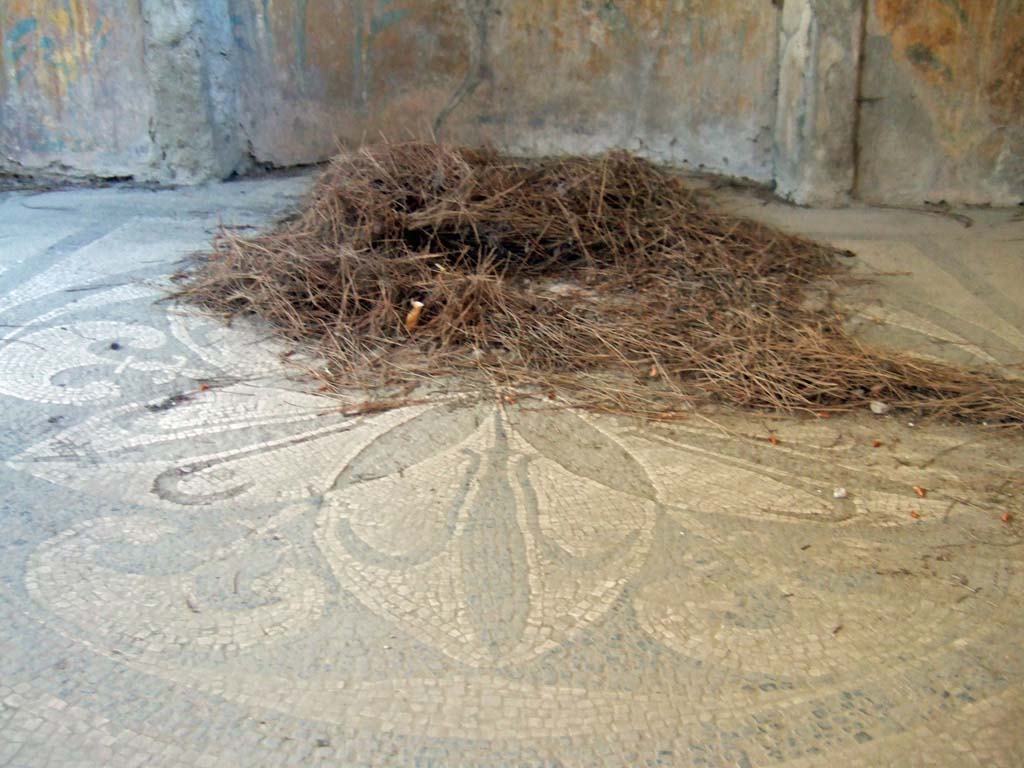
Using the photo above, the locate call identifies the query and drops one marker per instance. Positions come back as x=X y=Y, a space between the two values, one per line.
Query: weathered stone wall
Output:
x=943 y=102
x=74 y=96
x=116 y=88
x=318 y=72
x=688 y=82
x=884 y=100
x=816 y=123
x=192 y=70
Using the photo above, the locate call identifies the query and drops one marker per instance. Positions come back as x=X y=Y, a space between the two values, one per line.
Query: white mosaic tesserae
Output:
x=207 y=563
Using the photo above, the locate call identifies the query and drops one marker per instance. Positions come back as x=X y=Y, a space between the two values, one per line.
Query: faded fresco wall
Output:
x=73 y=89
x=316 y=72
x=887 y=100
x=942 y=114
x=689 y=81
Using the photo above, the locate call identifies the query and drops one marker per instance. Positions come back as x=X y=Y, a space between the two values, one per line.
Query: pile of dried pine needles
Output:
x=605 y=280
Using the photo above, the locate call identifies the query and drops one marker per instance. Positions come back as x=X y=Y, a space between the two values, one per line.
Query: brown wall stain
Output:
x=969 y=52
x=950 y=122
x=342 y=70
x=679 y=80
x=687 y=79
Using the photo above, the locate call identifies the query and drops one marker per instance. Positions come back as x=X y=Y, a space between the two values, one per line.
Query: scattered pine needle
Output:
x=580 y=275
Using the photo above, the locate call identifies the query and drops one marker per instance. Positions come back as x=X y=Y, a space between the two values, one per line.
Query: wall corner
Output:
x=189 y=63
x=816 y=120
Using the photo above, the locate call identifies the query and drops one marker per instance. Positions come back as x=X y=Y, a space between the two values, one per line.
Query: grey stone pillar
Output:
x=188 y=54
x=816 y=123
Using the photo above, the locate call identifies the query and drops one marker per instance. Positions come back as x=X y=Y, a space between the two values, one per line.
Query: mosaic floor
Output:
x=204 y=563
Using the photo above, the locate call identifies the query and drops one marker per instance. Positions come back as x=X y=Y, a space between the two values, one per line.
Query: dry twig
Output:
x=580 y=275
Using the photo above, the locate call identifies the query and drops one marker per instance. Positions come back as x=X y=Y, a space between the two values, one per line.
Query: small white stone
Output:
x=879 y=408
x=839 y=493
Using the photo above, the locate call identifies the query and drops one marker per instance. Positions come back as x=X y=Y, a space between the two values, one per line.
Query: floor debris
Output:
x=582 y=274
